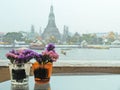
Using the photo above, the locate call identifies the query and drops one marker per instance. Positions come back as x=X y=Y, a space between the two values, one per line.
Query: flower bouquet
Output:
x=42 y=68
x=19 y=66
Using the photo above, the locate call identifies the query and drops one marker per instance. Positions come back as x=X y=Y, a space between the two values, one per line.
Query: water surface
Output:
x=79 y=54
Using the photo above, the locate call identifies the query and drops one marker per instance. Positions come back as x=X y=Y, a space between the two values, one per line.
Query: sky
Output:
x=82 y=16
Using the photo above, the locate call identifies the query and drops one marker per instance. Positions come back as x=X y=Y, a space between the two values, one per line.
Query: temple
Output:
x=51 y=30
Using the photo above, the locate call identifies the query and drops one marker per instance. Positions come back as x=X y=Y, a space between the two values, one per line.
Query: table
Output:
x=71 y=82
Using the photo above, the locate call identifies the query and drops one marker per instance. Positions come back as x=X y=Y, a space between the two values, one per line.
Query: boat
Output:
x=38 y=45
x=63 y=52
x=98 y=47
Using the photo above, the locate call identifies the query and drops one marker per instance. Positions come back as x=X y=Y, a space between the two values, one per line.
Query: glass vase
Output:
x=42 y=72
x=19 y=73
x=19 y=87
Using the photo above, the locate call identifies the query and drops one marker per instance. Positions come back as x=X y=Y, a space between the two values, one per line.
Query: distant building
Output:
x=40 y=31
x=19 y=42
x=51 y=30
x=65 y=35
x=116 y=42
x=1 y=36
x=32 y=34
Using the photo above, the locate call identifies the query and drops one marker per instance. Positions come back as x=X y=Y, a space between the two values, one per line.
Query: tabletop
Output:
x=70 y=82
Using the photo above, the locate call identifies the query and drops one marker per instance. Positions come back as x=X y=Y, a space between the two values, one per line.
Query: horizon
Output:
x=71 y=33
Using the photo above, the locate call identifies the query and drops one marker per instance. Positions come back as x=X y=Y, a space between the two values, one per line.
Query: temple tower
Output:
x=51 y=30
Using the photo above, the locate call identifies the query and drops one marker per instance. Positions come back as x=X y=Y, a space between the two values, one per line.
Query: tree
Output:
x=91 y=39
x=76 y=38
x=111 y=37
x=11 y=36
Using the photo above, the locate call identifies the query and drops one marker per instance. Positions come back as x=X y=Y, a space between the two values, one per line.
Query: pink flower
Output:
x=11 y=55
x=49 y=55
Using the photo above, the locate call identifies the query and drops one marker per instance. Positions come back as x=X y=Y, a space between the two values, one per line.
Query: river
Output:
x=79 y=54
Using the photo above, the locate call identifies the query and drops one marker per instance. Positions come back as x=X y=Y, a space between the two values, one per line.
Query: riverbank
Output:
x=72 y=67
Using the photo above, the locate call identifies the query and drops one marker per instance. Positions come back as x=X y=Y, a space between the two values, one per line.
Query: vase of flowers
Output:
x=19 y=65
x=42 y=68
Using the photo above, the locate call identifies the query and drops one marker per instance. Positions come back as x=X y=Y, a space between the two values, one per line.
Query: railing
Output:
x=72 y=67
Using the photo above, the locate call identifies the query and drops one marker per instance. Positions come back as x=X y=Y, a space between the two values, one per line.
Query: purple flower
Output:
x=38 y=57
x=49 y=55
x=50 y=47
x=20 y=55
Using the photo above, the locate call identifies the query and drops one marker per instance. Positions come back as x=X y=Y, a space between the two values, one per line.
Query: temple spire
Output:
x=51 y=9
x=51 y=29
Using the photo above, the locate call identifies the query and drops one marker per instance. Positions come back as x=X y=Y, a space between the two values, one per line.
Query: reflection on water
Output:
x=19 y=87
x=42 y=86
